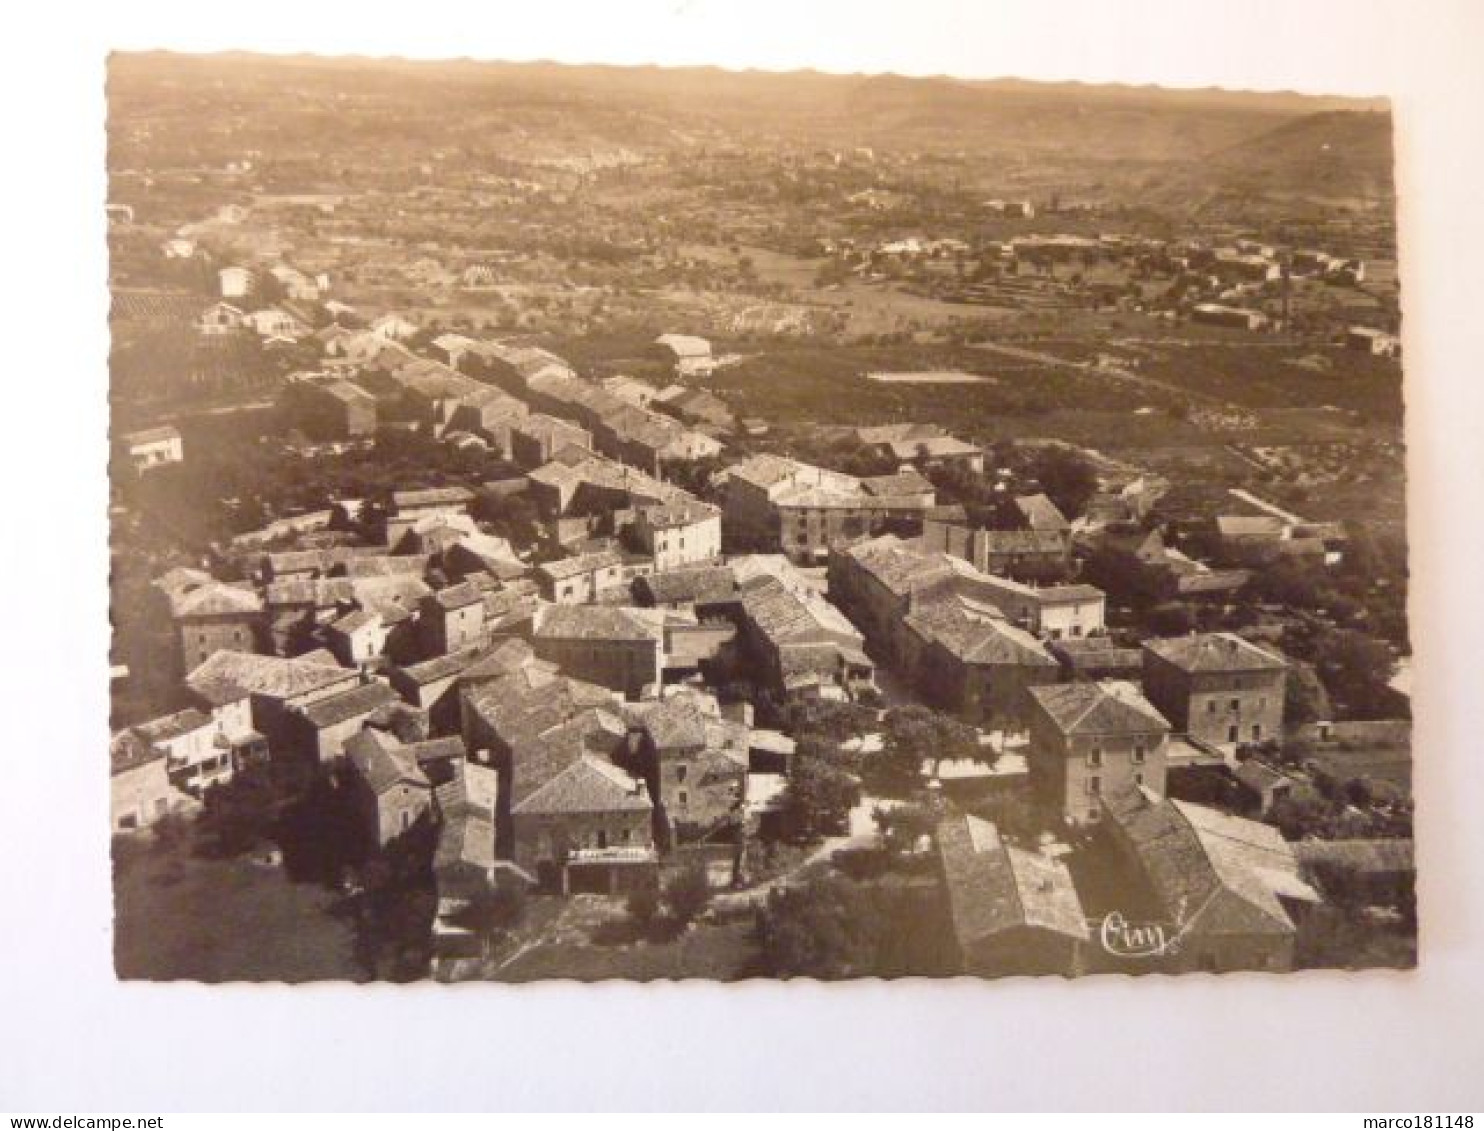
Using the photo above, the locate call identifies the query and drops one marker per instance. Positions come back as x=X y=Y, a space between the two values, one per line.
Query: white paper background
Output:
x=74 y=1040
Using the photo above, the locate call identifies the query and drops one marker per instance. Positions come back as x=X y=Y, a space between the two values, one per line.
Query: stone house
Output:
x=211 y=615
x=140 y=791
x=618 y=648
x=1227 y=887
x=1013 y=911
x=1088 y=740
x=390 y=790
x=1217 y=687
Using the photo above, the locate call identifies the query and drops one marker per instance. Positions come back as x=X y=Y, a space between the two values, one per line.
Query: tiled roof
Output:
x=440 y=667
x=355 y=621
x=172 y=726
x=347 y=705
x=703 y=584
x=975 y=638
x=900 y=567
x=459 y=596
x=382 y=761
x=433 y=496
x=786 y=615
x=1105 y=707
x=1025 y=541
x=546 y=720
x=587 y=785
x=933 y=447
x=321 y=592
x=1214 y=652
x=994 y=887
x=1213 y=873
x=215 y=599
x=573 y=567
x=472 y=789
x=227 y=676
x=681 y=513
x=597 y=622
x=1040 y=513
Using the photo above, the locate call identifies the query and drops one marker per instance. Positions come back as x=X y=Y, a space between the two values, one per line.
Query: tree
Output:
x=815 y=931
x=817 y=799
x=1068 y=479
x=1304 y=697
x=687 y=894
x=494 y=910
x=902 y=827
x=643 y=907
x=916 y=736
x=1173 y=618
x=1355 y=668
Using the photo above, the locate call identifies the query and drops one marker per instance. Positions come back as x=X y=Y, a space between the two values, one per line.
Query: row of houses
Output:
x=776 y=504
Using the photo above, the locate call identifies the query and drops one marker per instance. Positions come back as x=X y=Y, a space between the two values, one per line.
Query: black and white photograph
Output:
x=591 y=522
x=743 y=556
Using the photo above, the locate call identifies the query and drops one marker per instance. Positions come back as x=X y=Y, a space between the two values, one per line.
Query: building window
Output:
x=1138 y=779
x=682 y=798
x=1256 y=732
x=1095 y=756
x=1236 y=704
x=680 y=773
x=1232 y=734
x=1210 y=706
x=1138 y=753
x=1094 y=785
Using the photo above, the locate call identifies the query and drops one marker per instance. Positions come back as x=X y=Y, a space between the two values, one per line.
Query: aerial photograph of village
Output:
x=593 y=522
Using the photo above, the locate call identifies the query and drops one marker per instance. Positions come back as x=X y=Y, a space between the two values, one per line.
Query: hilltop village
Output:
x=441 y=651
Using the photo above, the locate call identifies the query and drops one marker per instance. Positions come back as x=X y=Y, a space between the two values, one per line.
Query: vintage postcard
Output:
x=586 y=522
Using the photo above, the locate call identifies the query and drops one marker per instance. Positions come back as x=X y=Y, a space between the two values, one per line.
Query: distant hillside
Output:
x=1182 y=148
x=1335 y=152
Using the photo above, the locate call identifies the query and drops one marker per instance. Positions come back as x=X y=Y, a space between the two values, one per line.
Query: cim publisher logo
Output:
x=1125 y=938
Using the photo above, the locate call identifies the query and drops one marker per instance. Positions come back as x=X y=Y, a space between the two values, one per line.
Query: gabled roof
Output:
x=682 y=512
x=995 y=887
x=472 y=789
x=458 y=596
x=1212 y=873
x=228 y=676
x=172 y=726
x=382 y=761
x=587 y=785
x=1214 y=652
x=1040 y=513
x=598 y=622
x=701 y=584
x=564 y=568
x=975 y=637
x=347 y=705
x=215 y=599
x=1105 y=707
